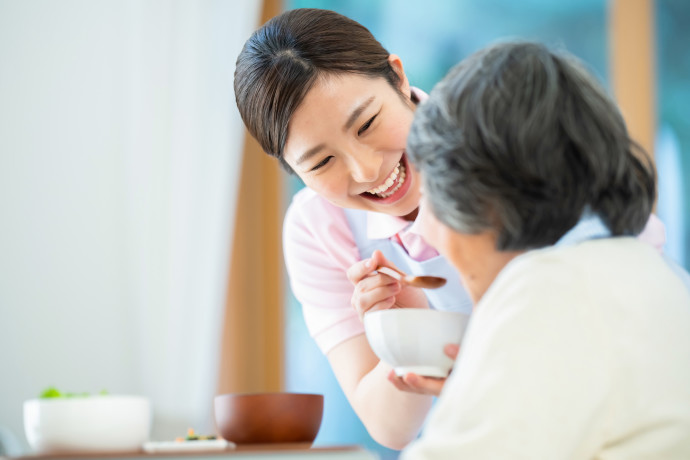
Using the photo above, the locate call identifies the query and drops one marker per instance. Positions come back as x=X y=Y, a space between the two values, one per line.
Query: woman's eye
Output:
x=322 y=163
x=366 y=125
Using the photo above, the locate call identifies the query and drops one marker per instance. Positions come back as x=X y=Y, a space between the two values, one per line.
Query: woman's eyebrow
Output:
x=357 y=112
x=309 y=153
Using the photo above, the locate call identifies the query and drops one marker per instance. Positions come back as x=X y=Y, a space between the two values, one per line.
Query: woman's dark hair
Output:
x=281 y=61
x=522 y=140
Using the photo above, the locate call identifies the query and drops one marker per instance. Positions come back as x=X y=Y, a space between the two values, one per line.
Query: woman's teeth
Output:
x=384 y=190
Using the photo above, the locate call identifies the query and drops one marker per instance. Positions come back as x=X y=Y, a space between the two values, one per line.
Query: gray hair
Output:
x=522 y=140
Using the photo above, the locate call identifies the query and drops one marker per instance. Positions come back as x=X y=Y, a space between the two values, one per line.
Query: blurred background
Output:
x=140 y=228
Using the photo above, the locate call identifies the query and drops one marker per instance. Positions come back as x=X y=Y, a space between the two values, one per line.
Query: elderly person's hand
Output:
x=377 y=291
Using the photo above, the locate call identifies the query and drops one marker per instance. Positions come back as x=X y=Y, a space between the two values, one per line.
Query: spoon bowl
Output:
x=425 y=282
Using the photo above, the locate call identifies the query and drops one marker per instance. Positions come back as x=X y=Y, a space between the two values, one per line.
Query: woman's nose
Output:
x=365 y=166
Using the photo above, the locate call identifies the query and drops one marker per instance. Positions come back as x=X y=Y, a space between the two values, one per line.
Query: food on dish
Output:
x=191 y=436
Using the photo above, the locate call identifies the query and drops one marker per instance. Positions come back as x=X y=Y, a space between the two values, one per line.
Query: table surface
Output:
x=243 y=452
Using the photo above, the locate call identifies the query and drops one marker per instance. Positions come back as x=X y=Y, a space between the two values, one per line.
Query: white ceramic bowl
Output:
x=103 y=423
x=412 y=339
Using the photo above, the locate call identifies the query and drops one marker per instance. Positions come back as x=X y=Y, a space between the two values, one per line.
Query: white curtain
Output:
x=181 y=132
x=120 y=146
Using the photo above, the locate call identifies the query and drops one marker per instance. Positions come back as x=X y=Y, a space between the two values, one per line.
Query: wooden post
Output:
x=633 y=65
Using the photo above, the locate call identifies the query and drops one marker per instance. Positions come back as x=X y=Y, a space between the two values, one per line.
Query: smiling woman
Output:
x=321 y=94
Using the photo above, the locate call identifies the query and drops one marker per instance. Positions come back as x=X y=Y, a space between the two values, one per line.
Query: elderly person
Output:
x=579 y=343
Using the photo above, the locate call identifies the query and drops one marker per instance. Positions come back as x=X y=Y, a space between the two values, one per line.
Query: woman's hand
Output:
x=376 y=291
x=414 y=383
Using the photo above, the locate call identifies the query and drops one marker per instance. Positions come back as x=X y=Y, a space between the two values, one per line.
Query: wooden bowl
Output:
x=263 y=418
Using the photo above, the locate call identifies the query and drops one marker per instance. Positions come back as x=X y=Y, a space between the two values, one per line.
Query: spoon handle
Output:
x=390 y=272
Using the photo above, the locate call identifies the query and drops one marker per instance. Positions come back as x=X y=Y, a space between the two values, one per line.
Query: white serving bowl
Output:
x=103 y=423
x=412 y=339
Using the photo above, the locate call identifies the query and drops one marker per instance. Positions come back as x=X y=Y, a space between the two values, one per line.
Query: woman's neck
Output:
x=411 y=216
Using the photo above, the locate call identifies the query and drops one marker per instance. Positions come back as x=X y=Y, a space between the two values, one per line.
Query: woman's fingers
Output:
x=414 y=383
x=360 y=270
x=365 y=267
x=374 y=293
x=424 y=385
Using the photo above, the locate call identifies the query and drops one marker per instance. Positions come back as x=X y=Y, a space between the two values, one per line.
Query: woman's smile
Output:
x=393 y=188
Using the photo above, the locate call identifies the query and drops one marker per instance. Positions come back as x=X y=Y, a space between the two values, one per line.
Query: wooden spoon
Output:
x=425 y=282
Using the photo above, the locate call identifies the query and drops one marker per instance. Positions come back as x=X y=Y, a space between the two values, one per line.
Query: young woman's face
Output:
x=347 y=143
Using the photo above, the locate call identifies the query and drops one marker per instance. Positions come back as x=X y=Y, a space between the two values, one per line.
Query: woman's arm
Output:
x=320 y=252
x=392 y=417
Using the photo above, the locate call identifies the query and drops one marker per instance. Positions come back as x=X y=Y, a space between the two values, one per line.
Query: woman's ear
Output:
x=396 y=64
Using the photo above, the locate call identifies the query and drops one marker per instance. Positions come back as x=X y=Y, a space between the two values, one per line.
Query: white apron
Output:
x=452 y=296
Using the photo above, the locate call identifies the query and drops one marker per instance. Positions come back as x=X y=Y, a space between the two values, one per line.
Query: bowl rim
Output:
x=84 y=399
x=268 y=394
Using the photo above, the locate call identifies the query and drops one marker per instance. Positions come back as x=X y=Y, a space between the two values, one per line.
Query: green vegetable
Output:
x=52 y=392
